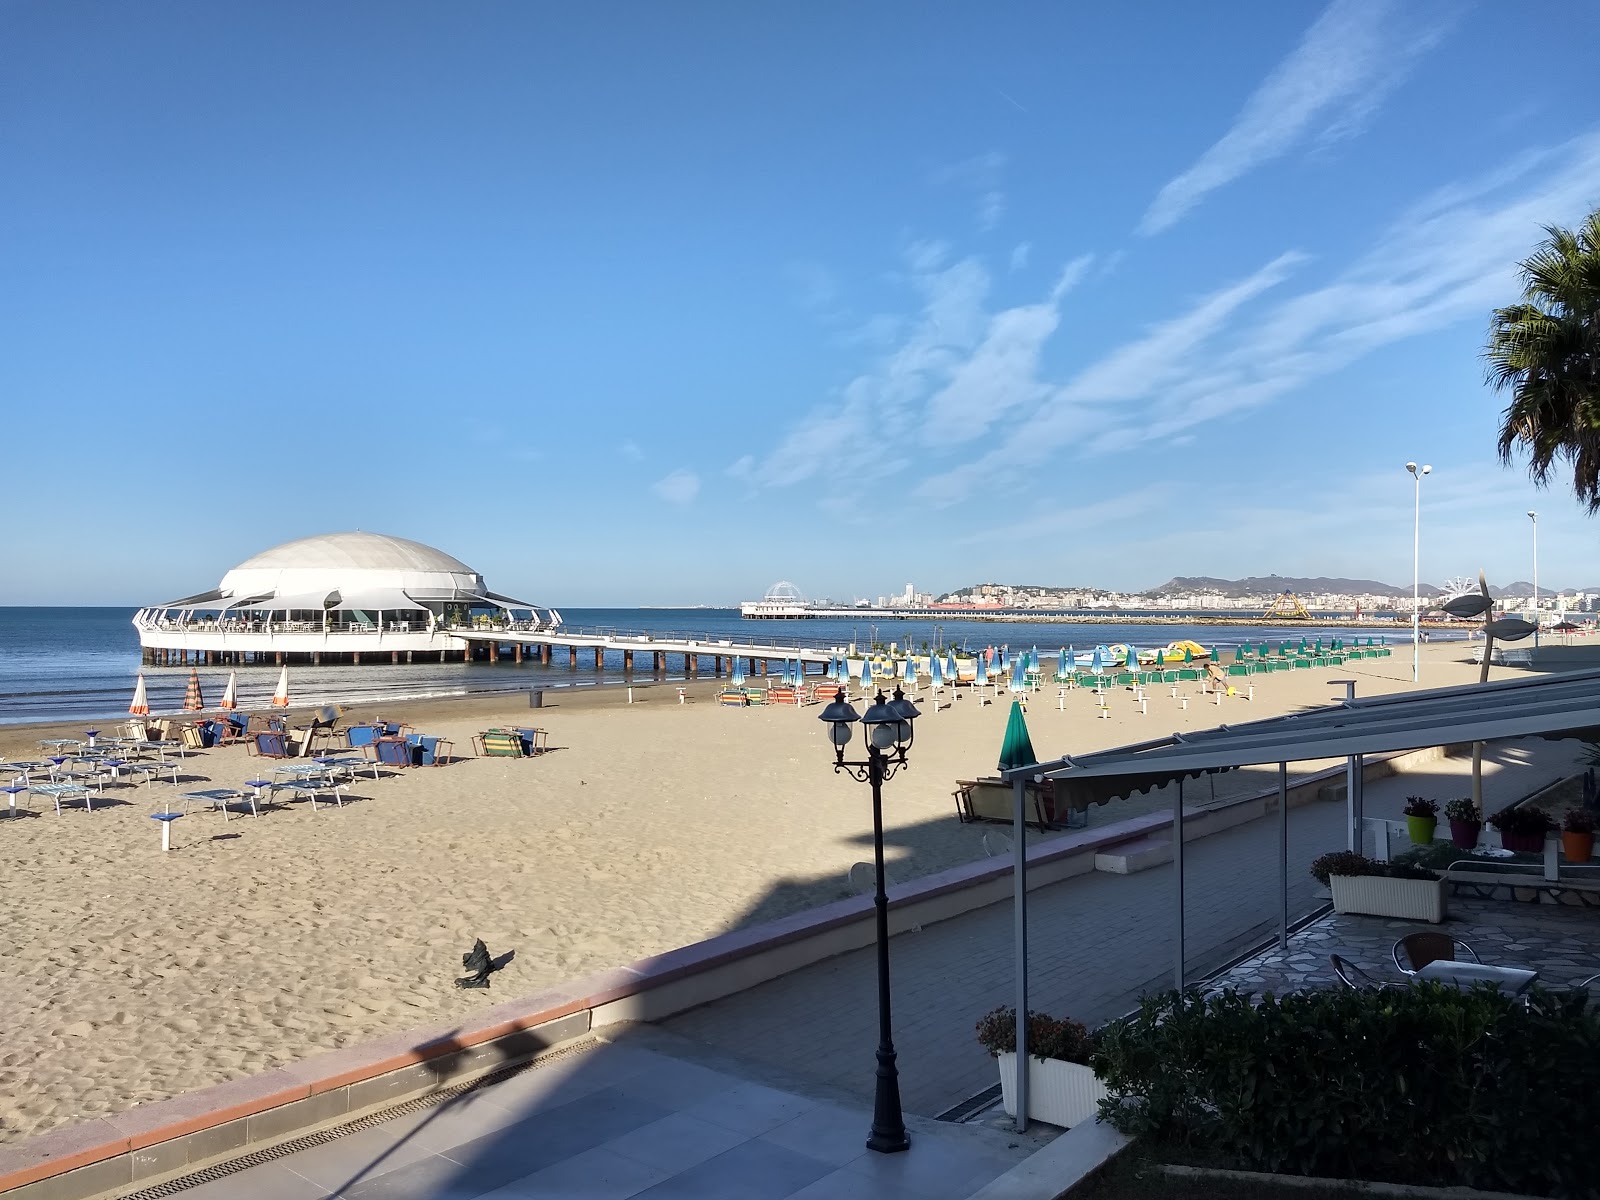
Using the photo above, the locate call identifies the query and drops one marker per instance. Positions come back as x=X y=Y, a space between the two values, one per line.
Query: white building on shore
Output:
x=336 y=598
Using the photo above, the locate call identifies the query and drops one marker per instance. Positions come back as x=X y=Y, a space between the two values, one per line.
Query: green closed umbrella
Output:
x=1016 y=749
x=1188 y=655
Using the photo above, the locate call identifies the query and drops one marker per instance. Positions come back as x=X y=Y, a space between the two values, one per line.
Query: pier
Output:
x=513 y=643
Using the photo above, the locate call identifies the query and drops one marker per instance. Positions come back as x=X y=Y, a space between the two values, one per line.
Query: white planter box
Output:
x=1377 y=896
x=1059 y=1093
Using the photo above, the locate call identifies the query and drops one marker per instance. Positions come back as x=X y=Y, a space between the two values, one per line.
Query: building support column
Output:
x=599 y=658
x=572 y=658
x=544 y=653
x=691 y=665
x=627 y=662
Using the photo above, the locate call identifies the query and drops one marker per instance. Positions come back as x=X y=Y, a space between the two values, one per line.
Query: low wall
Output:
x=168 y=1138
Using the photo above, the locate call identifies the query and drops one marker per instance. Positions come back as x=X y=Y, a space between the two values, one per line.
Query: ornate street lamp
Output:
x=887 y=729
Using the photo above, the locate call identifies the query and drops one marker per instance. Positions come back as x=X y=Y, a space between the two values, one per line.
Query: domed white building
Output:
x=335 y=598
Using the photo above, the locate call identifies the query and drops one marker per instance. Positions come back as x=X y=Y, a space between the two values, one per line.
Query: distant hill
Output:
x=1259 y=585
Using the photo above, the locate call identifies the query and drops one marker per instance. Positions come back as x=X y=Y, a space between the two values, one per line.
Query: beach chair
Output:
x=755 y=696
x=392 y=752
x=360 y=736
x=534 y=741
x=136 y=730
x=498 y=743
x=269 y=745
x=193 y=737
x=428 y=751
x=782 y=695
x=731 y=699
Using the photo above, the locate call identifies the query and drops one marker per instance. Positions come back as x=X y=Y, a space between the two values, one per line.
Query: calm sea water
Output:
x=71 y=663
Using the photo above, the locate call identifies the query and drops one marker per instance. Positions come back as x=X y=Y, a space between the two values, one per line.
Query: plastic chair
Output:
x=1352 y=976
x=1417 y=950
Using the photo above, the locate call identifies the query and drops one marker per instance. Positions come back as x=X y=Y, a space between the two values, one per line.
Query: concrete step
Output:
x=1126 y=858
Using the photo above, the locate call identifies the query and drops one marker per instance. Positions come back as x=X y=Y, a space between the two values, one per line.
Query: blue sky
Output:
x=647 y=304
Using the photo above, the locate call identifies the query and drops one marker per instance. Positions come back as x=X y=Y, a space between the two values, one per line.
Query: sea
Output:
x=67 y=664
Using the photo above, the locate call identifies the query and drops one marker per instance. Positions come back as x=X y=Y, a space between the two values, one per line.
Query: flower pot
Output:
x=1380 y=896
x=1059 y=1093
x=1523 y=843
x=1577 y=847
x=1421 y=829
x=1464 y=834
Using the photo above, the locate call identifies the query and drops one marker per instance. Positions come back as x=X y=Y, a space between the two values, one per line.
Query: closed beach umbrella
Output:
x=866 y=673
x=938 y=672
x=192 y=700
x=1061 y=663
x=141 y=702
x=907 y=671
x=230 y=694
x=280 y=697
x=983 y=672
x=1098 y=663
x=1188 y=655
x=737 y=677
x=950 y=666
x=1133 y=659
x=1016 y=748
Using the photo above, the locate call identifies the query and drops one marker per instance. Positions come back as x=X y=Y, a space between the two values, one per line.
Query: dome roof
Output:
x=355 y=551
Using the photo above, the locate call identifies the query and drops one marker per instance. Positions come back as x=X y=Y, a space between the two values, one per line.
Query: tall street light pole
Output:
x=887 y=726
x=1416 y=573
x=1534 y=517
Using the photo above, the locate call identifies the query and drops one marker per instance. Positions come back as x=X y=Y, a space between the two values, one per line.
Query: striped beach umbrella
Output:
x=230 y=694
x=141 y=702
x=193 y=701
x=280 y=697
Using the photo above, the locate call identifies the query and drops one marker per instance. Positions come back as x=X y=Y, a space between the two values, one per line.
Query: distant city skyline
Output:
x=657 y=311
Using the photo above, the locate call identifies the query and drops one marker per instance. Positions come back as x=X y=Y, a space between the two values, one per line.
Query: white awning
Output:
x=1553 y=705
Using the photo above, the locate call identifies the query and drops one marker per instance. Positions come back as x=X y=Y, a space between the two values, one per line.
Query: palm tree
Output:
x=1546 y=352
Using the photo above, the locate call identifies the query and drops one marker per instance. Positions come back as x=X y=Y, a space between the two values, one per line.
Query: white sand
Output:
x=133 y=975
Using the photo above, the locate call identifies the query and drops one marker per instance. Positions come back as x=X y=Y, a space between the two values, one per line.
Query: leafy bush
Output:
x=1463 y=809
x=1416 y=806
x=1578 y=820
x=1342 y=862
x=1522 y=818
x=1424 y=1084
x=1348 y=862
x=1048 y=1037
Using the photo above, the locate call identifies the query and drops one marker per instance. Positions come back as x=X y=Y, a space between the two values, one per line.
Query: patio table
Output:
x=58 y=792
x=1511 y=980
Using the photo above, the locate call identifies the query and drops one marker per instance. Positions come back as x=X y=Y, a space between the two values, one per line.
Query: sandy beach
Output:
x=134 y=975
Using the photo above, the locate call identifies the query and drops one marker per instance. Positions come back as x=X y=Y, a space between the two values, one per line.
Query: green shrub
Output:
x=1462 y=809
x=1423 y=1084
x=1348 y=862
x=1522 y=818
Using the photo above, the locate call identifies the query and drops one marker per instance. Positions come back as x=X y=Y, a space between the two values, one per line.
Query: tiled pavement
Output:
x=1562 y=944
x=631 y=1119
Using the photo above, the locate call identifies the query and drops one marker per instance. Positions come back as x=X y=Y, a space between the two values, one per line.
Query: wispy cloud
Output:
x=630 y=451
x=1019 y=255
x=1328 y=87
x=981 y=175
x=680 y=487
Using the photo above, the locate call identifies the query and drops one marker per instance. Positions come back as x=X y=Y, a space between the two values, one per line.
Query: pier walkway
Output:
x=545 y=643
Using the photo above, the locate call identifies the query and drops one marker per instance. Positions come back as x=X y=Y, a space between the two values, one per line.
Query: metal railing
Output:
x=711 y=641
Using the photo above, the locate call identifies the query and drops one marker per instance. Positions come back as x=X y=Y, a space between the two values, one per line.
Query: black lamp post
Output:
x=887 y=725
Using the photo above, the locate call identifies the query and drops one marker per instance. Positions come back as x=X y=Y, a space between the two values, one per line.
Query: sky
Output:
x=650 y=304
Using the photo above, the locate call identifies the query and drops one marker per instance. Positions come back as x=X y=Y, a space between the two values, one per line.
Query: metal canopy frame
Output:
x=1551 y=706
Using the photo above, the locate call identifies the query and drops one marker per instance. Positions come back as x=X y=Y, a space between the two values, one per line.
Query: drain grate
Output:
x=971 y=1105
x=256 y=1158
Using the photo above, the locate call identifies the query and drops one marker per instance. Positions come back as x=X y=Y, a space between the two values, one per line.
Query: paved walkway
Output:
x=1097 y=942
x=639 y=1117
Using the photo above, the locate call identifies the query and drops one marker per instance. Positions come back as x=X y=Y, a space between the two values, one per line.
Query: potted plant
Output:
x=1522 y=828
x=1062 y=1088
x=1577 y=835
x=1465 y=822
x=1422 y=818
x=1379 y=889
